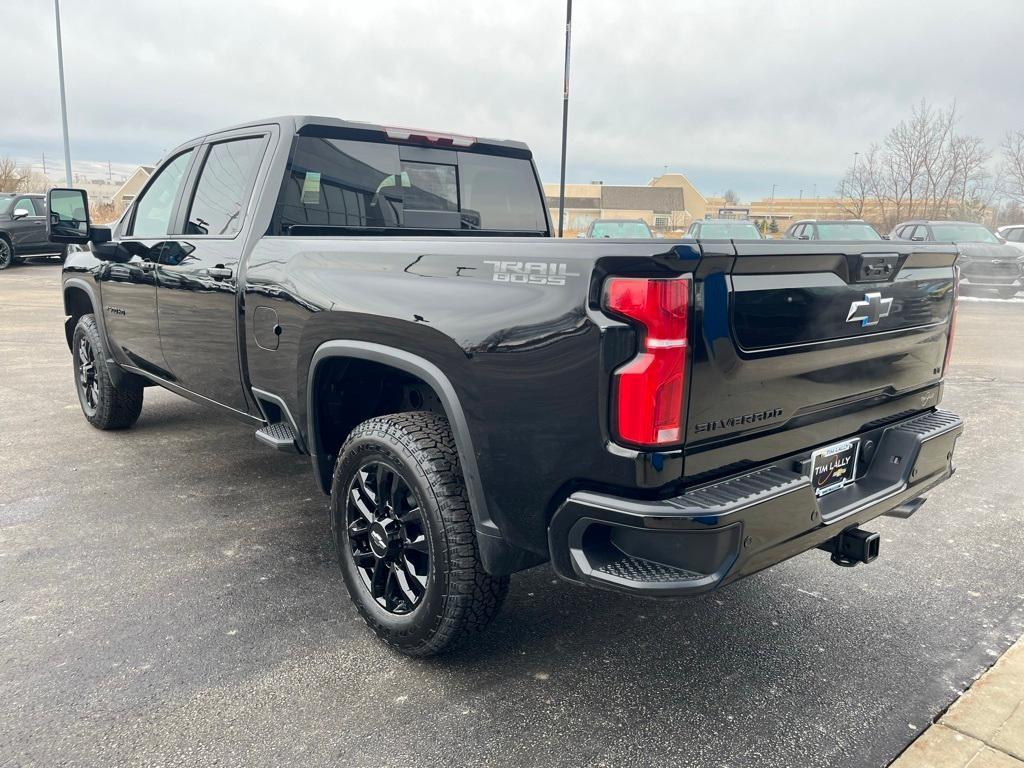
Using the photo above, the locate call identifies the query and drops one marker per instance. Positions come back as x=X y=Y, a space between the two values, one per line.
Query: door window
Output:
x=40 y=205
x=225 y=184
x=156 y=206
x=24 y=204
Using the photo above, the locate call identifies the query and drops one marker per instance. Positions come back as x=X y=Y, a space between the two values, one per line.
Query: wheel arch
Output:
x=498 y=556
x=80 y=299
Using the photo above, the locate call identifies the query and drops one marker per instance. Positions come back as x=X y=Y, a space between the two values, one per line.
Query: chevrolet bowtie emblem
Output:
x=869 y=311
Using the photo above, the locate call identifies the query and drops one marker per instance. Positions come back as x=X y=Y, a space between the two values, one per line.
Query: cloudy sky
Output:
x=735 y=94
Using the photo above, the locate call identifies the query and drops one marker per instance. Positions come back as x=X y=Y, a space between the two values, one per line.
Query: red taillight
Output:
x=647 y=392
x=952 y=320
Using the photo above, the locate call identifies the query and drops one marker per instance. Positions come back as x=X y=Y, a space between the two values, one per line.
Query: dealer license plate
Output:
x=834 y=466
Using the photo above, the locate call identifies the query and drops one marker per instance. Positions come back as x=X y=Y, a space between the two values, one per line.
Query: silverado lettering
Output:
x=332 y=285
x=738 y=421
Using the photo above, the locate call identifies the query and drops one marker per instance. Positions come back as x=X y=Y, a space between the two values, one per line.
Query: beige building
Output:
x=667 y=203
x=128 y=191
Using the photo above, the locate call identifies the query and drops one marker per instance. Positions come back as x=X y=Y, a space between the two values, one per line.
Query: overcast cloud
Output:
x=735 y=94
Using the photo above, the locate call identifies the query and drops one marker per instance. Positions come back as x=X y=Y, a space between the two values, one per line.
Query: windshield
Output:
x=740 y=230
x=848 y=231
x=5 y=202
x=619 y=229
x=963 y=233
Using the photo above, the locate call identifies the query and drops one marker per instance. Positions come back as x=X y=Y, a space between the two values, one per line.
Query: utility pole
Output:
x=63 y=98
x=110 y=174
x=44 y=164
x=565 y=115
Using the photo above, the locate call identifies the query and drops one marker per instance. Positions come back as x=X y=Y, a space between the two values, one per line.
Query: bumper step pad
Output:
x=732 y=528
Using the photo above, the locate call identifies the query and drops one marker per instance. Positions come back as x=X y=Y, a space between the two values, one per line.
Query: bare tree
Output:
x=10 y=179
x=1011 y=170
x=730 y=196
x=924 y=168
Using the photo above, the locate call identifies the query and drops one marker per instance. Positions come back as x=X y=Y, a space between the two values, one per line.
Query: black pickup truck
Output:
x=652 y=416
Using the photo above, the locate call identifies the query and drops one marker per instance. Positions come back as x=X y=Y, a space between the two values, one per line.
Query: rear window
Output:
x=335 y=186
x=739 y=231
x=963 y=233
x=5 y=202
x=847 y=231
x=619 y=229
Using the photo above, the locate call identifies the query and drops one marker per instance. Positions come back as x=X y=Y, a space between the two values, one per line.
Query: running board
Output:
x=279 y=436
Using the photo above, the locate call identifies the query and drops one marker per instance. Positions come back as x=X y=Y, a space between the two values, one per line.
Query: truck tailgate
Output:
x=800 y=344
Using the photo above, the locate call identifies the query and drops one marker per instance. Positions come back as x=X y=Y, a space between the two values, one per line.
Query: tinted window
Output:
x=847 y=231
x=429 y=187
x=338 y=183
x=40 y=205
x=500 y=193
x=332 y=183
x=5 y=201
x=155 y=207
x=726 y=231
x=224 y=186
x=963 y=233
x=1015 y=235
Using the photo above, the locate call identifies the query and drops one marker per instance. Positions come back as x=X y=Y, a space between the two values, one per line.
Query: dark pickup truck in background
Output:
x=653 y=416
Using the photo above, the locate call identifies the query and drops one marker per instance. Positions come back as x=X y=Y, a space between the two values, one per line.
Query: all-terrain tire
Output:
x=459 y=597
x=105 y=405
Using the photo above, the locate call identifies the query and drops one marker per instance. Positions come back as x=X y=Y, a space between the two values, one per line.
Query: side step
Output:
x=279 y=436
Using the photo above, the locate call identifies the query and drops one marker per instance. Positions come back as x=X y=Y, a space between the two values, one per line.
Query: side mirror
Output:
x=917 y=239
x=19 y=213
x=68 y=221
x=581 y=235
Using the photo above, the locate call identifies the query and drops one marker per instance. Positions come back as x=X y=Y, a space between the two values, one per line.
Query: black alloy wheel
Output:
x=387 y=537
x=88 y=384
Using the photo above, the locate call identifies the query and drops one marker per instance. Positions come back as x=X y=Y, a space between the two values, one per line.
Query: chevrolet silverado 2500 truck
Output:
x=652 y=416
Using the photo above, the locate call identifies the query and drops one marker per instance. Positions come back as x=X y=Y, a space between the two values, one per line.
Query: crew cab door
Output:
x=198 y=271
x=29 y=230
x=128 y=279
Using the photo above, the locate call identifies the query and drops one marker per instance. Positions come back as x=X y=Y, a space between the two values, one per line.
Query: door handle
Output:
x=147 y=266
x=219 y=273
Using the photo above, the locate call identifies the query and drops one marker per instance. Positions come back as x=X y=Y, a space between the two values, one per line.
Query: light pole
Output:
x=565 y=115
x=63 y=98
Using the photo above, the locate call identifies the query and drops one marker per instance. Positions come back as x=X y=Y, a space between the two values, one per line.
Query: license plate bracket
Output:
x=834 y=466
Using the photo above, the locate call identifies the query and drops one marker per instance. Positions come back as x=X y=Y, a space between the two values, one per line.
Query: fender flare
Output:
x=113 y=367
x=438 y=381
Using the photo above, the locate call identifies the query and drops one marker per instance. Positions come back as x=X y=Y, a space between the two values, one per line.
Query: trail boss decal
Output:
x=531 y=272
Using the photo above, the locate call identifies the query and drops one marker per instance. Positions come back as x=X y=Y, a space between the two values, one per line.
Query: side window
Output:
x=154 y=209
x=40 y=205
x=225 y=184
x=799 y=231
x=25 y=204
x=1015 y=235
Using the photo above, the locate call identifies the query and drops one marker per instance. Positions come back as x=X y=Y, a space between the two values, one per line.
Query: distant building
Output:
x=128 y=191
x=667 y=203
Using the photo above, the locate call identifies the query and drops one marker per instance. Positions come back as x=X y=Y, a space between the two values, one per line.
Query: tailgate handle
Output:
x=875 y=269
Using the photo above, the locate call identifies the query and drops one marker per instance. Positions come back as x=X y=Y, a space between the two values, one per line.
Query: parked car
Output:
x=840 y=230
x=631 y=228
x=1013 y=234
x=23 y=228
x=478 y=397
x=724 y=229
x=985 y=262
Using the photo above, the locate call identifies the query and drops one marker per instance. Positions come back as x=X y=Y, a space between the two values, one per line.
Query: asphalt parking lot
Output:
x=168 y=596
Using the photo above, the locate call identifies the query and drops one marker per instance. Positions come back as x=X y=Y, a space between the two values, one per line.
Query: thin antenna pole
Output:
x=565 y=115
x=63 y=98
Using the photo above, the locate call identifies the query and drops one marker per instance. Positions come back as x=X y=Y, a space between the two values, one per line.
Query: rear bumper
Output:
x=721 y=532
